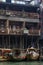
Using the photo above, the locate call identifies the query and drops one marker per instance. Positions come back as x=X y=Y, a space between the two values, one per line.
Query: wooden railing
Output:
x=20 y=31
x=34 y=32
x=19 y=14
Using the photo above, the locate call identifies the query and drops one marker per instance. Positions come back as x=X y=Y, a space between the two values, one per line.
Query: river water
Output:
x=21 y=63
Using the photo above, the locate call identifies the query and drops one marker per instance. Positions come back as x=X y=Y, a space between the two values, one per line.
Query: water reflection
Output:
x=21 y=63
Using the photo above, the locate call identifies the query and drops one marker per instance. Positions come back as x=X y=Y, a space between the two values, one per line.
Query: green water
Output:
x=21 y=63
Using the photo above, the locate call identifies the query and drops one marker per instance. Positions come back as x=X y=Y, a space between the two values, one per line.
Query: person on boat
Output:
x=31 y=51
x=32 y=47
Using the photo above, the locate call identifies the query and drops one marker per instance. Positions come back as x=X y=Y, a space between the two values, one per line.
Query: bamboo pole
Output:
x=9 y=41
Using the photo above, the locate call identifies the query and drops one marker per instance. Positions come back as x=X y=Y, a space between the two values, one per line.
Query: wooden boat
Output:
x=3 y=54
x=17 y=55
x=32 y=54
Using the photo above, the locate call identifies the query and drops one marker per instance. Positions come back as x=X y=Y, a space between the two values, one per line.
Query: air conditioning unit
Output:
x=25 y=31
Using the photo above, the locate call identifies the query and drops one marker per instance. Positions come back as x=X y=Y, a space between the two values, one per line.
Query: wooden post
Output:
x=7 y=25
x=23 y=30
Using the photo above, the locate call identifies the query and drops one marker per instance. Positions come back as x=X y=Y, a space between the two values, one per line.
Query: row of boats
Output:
x=19 y=54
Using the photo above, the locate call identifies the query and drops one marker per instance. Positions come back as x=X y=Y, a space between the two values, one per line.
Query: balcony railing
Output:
x=12 y=18
x=34 y=32
x=28 y=32
x=19 y=14
x=20 y=31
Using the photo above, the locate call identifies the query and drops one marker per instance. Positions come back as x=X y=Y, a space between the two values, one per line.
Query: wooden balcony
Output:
x=20 y=32
x=32 y=32
x=13 y=18
x=19 y=14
